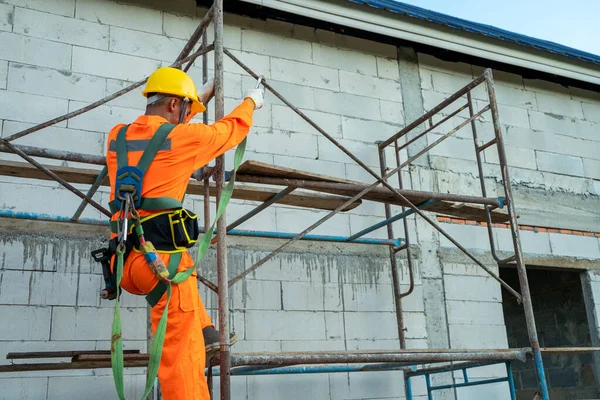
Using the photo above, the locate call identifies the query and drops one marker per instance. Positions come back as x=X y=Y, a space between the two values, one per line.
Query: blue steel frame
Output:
x=461 y=367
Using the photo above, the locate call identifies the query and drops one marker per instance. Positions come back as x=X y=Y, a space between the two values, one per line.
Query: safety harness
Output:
x=170 y=231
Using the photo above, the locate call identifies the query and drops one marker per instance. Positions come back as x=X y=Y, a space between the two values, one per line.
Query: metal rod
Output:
x=317 y=369
x=432 y=127
x=397 y=290
x=197 y=35
x=96 y=104
x=514 y=227
x=225 y=358
x=409 y=259
x=261 y=207
x=470 y=86
x=206 y=282
x=376 y=357
x=56 y=154
x=485 y=146
x=469 y=384
x=93 y=189
x=336 y=188
x=511 y=381
x=488 y=216
x=389 y=220
x=57 y=178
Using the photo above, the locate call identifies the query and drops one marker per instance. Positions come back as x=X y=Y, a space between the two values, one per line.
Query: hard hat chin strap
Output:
x=184 y=107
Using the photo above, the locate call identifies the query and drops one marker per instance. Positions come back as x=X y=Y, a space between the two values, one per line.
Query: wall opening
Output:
x=561 y=320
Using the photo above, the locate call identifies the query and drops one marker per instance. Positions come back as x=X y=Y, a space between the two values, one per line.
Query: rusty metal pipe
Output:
x=56 y=154
x=470 y=86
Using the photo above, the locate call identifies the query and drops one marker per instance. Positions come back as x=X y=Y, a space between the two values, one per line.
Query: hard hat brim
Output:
x=197 y=107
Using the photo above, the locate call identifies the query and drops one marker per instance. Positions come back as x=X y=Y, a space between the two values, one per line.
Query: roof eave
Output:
x=431 y=34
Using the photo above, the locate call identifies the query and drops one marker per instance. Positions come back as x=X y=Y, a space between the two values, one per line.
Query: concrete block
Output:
x=59 y=138
x=283 y=325
x=285 y=119
x=133 y=99
x=366 y=385
x=344 y=60
x=334 y=326
x=102 y=118
x=587 y=130
x=265 y=221
x=13 y=286
x=347 y=104
x=414 y=301
x=591 y=111
x=252 y=346
x=88 y=294
x=16 y=106
x=313 y=296
x=276 y=46
x=559 y=163
x=531 y=242
x=392 y=112
x=111 y=65
x=370 y=325
x=472 y=288
x=549 y=122
x=305 y=33
x=300 y=96
x=294 y=387
x=312 y=345
x=432 y=63
x=367 y=131
x=296 y=267
x=62 y=84
x=509 y=115
x=3 y=74
x=361 y=297
x=257 y=295
x=293 y=220
x=591 y=168
x=363 y=85
x=314 y=166
x=516 y=97
x=304 y=74
x=467 y=269
x=445 y=82
x=515 y=157
x=544 y=86
x=122 y=15
x=471 y=237
x=475 y=313
x=361 y=345
x=25 y=323
x=478 y=336
x=60 y=29
x=93 y=387
x=284 y=143
x=559 y=104
x=90 y=323
x=388 y=68
x=361 y=222
x=28 y=50
x=143 y=44
x=256 y=62
x=452 y=146
x=494 y=391
x=6 y=17
x=24 y=388
x=574 y=246
x=367 y=153
x=53 y=289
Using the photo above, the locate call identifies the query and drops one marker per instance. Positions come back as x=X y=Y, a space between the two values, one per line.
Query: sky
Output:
x=574 y=23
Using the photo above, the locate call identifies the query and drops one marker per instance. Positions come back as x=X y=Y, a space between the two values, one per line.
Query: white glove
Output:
x=257 y=96
x=207 y=90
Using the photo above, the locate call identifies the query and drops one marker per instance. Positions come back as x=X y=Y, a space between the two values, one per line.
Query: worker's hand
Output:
x=257 y=97
x=207 y=90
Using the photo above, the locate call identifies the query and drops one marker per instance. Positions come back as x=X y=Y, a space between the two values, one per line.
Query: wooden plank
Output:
x=275 y=171
x=242 y=192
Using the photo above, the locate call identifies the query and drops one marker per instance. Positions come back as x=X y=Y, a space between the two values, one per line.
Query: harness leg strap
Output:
x=159 y=290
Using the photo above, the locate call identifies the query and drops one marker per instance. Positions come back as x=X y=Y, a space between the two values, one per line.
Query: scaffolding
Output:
x=303 y=189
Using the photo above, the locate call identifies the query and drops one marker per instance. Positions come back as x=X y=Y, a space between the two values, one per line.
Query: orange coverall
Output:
x=181 y=370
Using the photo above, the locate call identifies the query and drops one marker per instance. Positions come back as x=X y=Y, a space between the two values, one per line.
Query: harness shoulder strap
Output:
x=153 y=147
x=122 y=148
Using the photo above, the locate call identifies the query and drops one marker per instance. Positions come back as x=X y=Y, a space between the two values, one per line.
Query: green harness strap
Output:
x=116 y=349
x=153 y=147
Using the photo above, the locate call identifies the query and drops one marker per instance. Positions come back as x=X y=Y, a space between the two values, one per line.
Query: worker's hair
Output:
x=162 y=101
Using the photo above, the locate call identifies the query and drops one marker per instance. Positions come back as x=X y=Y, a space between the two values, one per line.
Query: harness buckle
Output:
x=129 y=182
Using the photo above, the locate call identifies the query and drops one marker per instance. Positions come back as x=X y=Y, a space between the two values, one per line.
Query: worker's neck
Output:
x=159 y=113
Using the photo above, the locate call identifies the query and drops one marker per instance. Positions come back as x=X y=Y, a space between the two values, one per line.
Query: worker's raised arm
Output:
x=213 y=140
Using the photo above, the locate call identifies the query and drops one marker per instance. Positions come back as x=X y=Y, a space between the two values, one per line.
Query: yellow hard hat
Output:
x=168 y=80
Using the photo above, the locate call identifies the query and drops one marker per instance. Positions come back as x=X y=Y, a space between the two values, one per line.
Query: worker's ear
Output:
x=173 y=104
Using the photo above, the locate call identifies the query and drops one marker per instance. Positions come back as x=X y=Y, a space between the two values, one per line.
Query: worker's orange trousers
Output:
x=181 y=370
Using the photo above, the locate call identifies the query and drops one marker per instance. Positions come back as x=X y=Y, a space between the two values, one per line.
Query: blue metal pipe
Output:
x=537 y=355
x=234 y=232
x=511 y=381
x=408 y=388
x=390 y=220
x=468 y=384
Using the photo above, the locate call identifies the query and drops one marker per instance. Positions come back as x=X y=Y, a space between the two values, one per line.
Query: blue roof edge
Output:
x=483 y=29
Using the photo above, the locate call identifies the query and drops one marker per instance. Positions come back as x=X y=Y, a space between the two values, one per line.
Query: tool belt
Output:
x=171 y=231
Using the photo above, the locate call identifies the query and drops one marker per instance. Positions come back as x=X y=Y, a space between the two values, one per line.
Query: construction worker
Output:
x=172 y=101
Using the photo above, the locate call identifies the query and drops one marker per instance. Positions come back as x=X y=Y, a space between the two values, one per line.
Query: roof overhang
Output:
x=402 y=27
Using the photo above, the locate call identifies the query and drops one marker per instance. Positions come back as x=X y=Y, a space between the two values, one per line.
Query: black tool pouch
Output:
x=170 y=231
